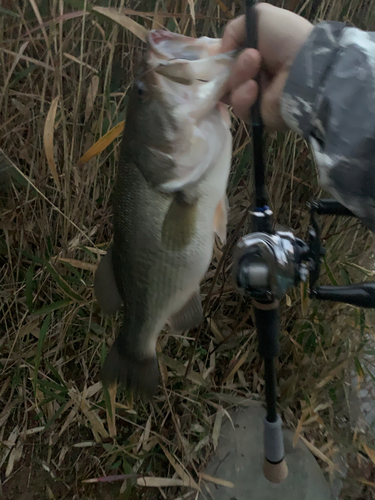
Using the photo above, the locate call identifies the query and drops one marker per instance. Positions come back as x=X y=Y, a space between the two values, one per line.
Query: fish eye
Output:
x=141 y=89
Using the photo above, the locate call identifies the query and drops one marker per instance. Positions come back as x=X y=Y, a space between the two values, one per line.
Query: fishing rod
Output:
x=267 y=263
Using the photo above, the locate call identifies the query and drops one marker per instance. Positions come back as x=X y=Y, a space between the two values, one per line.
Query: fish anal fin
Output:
x=105 y=288
x=189 y=316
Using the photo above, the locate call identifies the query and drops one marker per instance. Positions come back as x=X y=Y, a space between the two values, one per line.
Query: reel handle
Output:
x=359 y=294
x=330 y=207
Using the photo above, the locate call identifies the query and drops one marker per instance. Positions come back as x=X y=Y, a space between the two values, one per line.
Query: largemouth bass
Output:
x=169 y=201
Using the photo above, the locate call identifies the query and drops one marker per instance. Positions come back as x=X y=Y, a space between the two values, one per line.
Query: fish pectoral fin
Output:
x=179 y=223
x=221 y=219
x=105 y=288
x=190 y=316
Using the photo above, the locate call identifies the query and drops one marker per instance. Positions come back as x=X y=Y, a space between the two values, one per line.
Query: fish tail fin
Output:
x=122 y=365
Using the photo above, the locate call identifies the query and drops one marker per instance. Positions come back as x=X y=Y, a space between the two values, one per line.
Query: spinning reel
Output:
x=267 y=265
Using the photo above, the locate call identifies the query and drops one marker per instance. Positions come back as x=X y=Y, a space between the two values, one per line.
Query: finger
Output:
x=226 y=99
x=271 y=103
x=234 y=35
x=246 y=68
x=243 y=99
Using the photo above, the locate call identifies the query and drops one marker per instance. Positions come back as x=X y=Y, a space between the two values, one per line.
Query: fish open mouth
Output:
x=173 y=46
x=186 y=60
x=189 y=72
x=187 y=77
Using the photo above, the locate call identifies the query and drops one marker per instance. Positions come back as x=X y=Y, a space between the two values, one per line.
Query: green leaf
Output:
x=53 y=307
x=109 y=447
x=55 y=416
x=19 y=76
x=79 y=4
x=51 y=396
x=55 y=372
x=52 y=386
x=107 y=398
x=371 y=374
x=243 y=167
x=171 y=26
x=88 y=252
x=358 y=367
x=32 y=257
x=62 y=283
x=362 y=322
x=333 y=395
x=29 y=287
x=42 y=336
x=130 y=483
x=8 y=169
x=103 y=354
x=345 y=275
x=329 y=273
x=96 y=328
x=8 y=12
x=116 y=465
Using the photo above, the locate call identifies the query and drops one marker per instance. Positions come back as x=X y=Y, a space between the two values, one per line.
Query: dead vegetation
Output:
x=65 y=67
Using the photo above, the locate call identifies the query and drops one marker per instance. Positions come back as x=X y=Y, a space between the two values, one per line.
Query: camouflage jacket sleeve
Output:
x=329 y=98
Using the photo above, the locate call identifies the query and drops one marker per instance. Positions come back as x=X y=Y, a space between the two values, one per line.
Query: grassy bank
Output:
x=65 y=69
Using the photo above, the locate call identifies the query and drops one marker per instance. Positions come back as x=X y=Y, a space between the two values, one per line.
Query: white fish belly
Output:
x=193 y=262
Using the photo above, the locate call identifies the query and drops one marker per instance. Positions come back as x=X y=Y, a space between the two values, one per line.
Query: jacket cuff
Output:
x=307 y=76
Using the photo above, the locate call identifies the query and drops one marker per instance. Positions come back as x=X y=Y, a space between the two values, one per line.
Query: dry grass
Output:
x=64 y=73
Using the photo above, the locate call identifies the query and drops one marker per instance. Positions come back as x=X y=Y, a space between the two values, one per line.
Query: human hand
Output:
x=281 y=34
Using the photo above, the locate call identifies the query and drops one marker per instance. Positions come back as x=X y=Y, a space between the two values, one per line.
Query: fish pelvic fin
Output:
x=105 y=288
x=190 y=316
x=179 y=224
x=221 y=219
x=122 y=366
